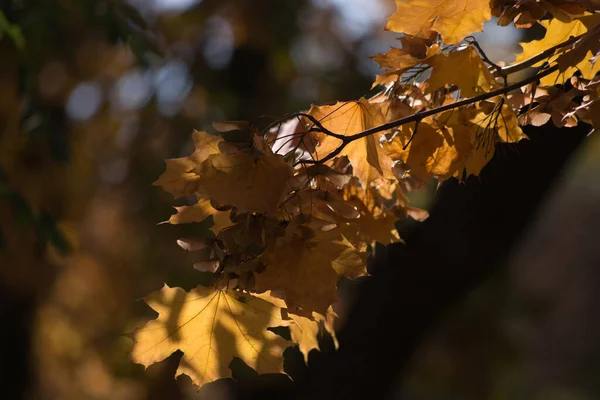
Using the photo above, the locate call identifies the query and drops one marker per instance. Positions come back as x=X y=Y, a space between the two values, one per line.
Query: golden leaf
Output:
x=199 y=212
x=306 y=269
x=474 y=77
x=244 y=181
x=305 y=331
x=453 y=19
x=557 y=32
x=179 y=178
x=399 y=61
x=368 y=160
x=463 y=142
x=432 y=152
x=211 y=327
x=374 y=223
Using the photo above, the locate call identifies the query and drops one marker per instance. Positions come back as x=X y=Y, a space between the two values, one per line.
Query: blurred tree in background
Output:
x=96 y=93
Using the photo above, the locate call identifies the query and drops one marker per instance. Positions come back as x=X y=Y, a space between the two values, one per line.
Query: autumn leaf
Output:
x=463 y=68
x=244 y=181
x=397 y=61
x=366 y=156
x=289 y=225
x=452 y=19
x=556 y=33
x=375 y=224
x=432 y=152
x=457 y=142
x=305 y=331
x=503 y=120
x=199 y=212
x=306 y=269
x=211 y=327
x=584 y=49
x=179 y=178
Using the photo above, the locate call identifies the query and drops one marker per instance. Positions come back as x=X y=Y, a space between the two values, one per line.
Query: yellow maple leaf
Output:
x=366 y=156
x=453 y=19
x=399 y=61
x=179 y=178
x=431 y=153
x=242 y=180
x=199 y=212
x=557 y=32
x=211 y=327
x=374 y=223
x=306 y=270
x=506 y=124
x=454 y=142
x=474 y=77
x=305 y=331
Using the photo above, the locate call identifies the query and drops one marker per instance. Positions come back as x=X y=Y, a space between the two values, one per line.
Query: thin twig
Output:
x=486 y=59
x=503 y=72
x=414 y=132
x=511 y=69
x=320 y=127
x=433 y=111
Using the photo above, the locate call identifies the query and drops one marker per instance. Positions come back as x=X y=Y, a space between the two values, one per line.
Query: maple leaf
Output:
x=474 y=77
x=457 y=142
x=305 y=331
x=366 y=156
x=244 y=181
x=199 y=212
x=452 y=19
x=505 y=123
x=211 y=327
x=524 y=13
x=397 y=61
x=432 y=152
x=306 y=269
x=179 y=178
x=375 y=223
x=556 y=33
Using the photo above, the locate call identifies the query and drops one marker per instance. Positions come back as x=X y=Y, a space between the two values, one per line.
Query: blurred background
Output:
x=94 y=94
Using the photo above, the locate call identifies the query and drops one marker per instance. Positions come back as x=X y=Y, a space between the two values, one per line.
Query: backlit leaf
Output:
x=462 y=68
x=179 y=178
x=453 y=19
x=308 y=278
x=366 y=156
x=557 y=32
x=211 y=327
x=244 y=181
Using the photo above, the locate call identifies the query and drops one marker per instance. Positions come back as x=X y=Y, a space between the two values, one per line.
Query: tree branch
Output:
x=530 y=62
x=417 y=117
x=423 y=114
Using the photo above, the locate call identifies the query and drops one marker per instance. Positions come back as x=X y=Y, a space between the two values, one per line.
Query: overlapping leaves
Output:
x=299 y=205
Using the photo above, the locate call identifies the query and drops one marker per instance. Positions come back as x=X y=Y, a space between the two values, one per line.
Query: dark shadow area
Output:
x=467 y=237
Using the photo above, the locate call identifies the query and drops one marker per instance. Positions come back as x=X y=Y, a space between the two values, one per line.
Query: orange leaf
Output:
x=453 y=19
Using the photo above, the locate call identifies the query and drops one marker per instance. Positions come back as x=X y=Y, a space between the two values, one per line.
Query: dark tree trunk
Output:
x=468 y=235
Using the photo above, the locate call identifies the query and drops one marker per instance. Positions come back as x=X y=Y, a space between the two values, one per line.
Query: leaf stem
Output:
x=424 y=114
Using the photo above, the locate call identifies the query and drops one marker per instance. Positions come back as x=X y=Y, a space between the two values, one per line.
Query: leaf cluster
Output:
x=298 y=205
